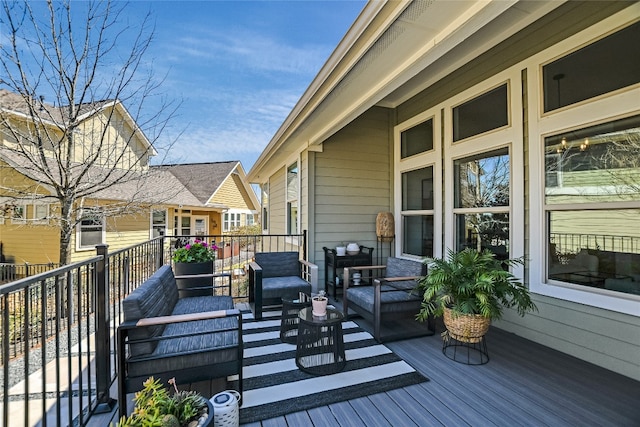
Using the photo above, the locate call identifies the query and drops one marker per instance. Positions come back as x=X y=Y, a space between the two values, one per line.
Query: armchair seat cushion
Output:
x=189 y=349
x=392 y=299
x=284 y=287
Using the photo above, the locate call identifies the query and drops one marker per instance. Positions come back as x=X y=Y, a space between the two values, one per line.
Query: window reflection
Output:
x=482 y=181
x=484 y=231
x=597 y=164
x=589 y=243
x=417 y=236
x=596 y=248
x=482 y=202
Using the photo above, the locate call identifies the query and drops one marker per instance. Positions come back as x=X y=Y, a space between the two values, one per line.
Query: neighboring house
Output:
x=513 y=126
x=225 y=200
x=189 y=199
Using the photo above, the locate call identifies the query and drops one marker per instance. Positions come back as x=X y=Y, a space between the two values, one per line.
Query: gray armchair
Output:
x=277 y=275
x=390 y=303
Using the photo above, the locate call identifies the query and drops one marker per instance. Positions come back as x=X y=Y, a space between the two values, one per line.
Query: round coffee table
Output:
x=290 y=319
x=320 y=344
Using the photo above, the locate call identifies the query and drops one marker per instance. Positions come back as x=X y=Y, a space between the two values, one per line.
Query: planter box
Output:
x=229 y=250
x=196 y=286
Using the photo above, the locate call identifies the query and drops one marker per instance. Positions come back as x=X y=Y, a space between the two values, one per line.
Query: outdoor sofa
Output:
x=192 y=339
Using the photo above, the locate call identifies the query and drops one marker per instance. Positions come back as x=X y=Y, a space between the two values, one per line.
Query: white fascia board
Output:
x=362 y=22
x=459 y=30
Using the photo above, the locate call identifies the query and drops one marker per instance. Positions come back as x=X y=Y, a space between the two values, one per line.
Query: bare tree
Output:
x=85 y=144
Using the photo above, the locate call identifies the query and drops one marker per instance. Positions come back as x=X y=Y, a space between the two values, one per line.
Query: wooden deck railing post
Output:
x=103 y=358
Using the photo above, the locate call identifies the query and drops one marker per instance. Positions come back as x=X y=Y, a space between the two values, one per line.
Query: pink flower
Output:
x=187 y=246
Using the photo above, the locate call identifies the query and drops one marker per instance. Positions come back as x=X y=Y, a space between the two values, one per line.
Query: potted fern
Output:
x=469 y=289
x=155 y=406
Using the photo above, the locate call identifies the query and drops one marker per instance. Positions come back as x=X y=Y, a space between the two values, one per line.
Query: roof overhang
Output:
x=388 y=45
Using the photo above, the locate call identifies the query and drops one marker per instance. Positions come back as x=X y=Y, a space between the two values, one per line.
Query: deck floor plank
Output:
x=524 y=384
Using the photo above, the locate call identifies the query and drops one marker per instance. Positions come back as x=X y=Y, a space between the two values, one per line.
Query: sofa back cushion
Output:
x=151 y=299
x=278 y=264
x=398 y=267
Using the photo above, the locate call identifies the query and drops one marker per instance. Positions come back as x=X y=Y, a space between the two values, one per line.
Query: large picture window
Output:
x=592 y=203
x=481 y=202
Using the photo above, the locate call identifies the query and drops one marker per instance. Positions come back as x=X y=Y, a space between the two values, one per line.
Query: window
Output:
x=19 y=214
x=265 y=206
x=417 y=139
x=40 y=213
x=592 y=212
x=601 y=67
x=231 y=221
x=91 y=228
x=250 y=219
x=292 y=199
x=486 y=112
x=417 y=212
x=158 y=222
x=481 y=202
x=182 y=223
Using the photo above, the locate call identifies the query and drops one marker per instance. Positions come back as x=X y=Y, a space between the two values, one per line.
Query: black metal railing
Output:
x=10 y=272
x=61 y=323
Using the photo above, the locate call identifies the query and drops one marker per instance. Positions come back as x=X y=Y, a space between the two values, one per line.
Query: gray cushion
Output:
x=277 y=264
x=284 y=287
x=191 y=349
x=398 y=267
x=392 y=299
x=148 y=300
x=202 y=304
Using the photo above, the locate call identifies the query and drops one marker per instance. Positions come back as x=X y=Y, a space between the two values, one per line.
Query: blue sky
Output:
x=239 y=67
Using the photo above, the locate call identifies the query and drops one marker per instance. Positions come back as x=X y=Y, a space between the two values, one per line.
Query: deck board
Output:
x=524 y=384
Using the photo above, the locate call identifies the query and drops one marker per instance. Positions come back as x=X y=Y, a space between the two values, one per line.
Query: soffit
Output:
x=420 y=35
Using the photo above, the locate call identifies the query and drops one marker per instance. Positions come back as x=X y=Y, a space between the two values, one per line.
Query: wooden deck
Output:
x=524 y=384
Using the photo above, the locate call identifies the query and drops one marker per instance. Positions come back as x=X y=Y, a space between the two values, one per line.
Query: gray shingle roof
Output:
x=202 y=179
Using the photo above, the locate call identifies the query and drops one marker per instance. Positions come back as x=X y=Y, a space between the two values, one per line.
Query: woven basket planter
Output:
x=466 y=327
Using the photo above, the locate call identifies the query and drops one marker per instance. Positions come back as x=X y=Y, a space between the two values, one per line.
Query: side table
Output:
x=289 y=322
x=320 y=345
x=334 y=265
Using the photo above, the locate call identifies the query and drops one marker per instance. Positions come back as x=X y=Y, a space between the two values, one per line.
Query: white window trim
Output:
x=419 y=161
x=234 y=212
x=103 y=237
x=287 y=200
x=41 y=220
x=166 y=221
x=621 y=103
x=23 y=219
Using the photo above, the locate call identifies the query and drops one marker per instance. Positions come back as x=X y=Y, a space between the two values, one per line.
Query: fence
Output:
x=60 y=324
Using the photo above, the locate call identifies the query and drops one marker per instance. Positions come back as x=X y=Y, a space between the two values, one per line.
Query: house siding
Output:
x=352 y=183
x=278 y=202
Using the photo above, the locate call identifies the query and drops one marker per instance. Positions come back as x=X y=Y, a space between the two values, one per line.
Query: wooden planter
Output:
x=229 y=250
x=190 y=269
x=468 y=328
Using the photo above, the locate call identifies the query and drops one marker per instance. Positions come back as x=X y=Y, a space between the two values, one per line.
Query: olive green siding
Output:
x=352 y=183
x=277 y=202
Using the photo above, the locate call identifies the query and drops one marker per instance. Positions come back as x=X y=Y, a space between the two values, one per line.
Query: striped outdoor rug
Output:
x=274 y=386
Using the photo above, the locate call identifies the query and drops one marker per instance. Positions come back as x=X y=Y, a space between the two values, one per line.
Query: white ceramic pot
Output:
x=341 y=250
x=319 y=306
x=353 y=249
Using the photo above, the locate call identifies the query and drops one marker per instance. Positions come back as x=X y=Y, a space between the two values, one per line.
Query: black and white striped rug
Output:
x=274 y=386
